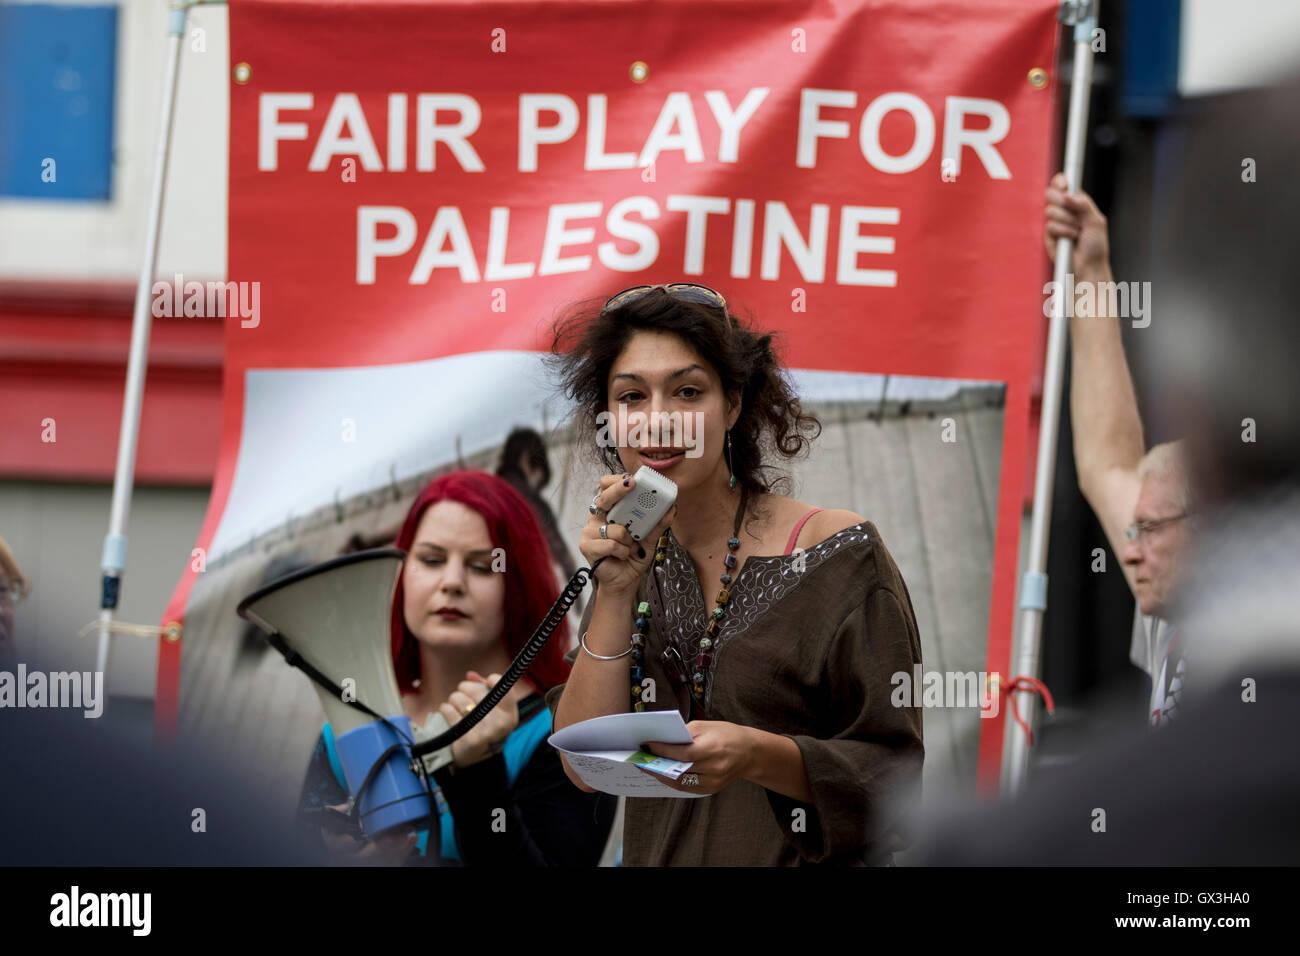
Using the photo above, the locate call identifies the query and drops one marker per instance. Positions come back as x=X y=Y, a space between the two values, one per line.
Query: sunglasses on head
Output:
x=682 y=291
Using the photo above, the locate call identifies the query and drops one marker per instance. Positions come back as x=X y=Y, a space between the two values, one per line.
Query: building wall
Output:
x=56 y=532
x=42 y=239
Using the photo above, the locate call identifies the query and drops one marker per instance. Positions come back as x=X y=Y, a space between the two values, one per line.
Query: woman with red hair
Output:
x=476 y=583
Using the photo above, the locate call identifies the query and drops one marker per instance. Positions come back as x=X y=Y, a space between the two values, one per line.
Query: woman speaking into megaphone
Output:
x=476 y=580
x=779 y=661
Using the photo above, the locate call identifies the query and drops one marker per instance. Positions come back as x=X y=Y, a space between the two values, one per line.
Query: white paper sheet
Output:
x=603 y=752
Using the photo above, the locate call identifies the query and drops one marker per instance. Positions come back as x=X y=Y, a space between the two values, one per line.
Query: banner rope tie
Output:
x=134 y=630
x=1034 y=686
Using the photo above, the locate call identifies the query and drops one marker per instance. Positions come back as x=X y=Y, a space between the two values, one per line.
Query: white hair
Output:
x=1168 y=463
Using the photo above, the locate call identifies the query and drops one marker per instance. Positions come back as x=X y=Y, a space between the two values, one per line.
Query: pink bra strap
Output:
x=794 y=535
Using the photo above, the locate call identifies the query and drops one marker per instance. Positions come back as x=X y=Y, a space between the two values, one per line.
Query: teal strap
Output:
x=332 y=752
x=446 y=833
x=523 y=741
x=519 y=749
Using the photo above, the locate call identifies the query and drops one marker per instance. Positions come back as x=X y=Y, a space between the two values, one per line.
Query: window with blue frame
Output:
x=57 y=78
x=1150 y=75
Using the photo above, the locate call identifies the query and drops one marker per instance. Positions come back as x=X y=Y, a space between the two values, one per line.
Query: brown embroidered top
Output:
x=806 y=650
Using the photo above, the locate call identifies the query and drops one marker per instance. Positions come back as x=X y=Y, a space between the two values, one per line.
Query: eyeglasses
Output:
x=1135 y=531
x=682 y=291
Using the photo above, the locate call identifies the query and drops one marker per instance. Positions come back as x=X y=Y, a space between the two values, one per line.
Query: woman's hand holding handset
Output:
x=721 y=752
x=627 y=559
x=594 y=692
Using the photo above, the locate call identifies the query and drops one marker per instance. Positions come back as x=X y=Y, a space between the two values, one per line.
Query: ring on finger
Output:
x=594 y=508
x=604 y=531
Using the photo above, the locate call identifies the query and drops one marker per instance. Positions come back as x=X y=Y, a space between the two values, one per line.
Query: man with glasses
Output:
x=1143 y=501
x=1155 y=551
x=1221 y=787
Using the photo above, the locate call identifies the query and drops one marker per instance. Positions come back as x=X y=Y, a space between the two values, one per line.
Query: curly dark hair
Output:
x=586 y=344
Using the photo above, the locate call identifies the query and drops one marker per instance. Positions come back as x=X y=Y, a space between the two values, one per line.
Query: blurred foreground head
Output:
x=1225 y=332
x=1223 y=353
x=98 y=792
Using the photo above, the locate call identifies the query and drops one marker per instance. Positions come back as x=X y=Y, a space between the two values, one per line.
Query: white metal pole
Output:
x=113 y=562
x=1033 y=589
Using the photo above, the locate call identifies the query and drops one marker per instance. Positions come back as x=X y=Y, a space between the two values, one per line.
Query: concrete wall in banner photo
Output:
x=934 y=503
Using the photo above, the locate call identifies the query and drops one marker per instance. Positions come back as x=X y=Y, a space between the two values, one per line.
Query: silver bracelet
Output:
x=582 y=641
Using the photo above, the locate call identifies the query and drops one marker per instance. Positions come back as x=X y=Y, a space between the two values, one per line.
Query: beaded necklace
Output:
x=704 y=659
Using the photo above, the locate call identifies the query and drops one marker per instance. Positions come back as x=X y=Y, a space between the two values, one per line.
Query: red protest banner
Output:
x=412 y=181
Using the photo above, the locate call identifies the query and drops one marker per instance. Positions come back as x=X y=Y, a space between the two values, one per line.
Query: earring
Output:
x=731 y=481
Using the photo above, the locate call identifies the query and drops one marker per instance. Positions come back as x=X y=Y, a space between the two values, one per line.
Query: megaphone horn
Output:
x=331 y=620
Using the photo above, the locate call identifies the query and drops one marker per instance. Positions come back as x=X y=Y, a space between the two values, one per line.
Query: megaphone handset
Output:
x=523 y=660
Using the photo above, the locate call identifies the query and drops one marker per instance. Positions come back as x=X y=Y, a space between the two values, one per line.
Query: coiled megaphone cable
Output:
x=523 y=660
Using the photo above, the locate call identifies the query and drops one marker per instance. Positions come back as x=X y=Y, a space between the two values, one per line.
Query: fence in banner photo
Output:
x=589 y=435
